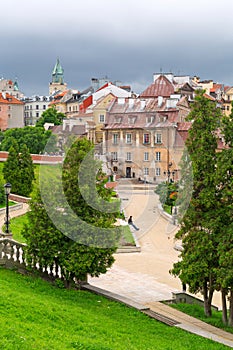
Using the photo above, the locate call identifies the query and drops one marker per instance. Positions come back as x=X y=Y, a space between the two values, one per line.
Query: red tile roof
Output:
x=209 y=97
x=216 y=87
x=185 y=126
x=6 y=98
x=161 y=87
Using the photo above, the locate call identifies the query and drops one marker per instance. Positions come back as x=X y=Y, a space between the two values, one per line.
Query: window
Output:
x=114 y=156
x=101 y=118
x=146 y=138
x=115 y=169
x=118 y=119
x=128 y=138
x=146 y=171
x=150 y=119
x=128 y=156
x=69 y=108
x=132 y=119
x=158 y=156
x=146 y=156
x=9 y=115
x=44 y=106
x=157 y=171
x=115 y=138
x=37 y=114
x=158 y=138
x=9 y=108
x=37 y=106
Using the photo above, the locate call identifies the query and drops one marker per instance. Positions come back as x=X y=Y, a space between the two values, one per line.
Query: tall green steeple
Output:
x=57 y=76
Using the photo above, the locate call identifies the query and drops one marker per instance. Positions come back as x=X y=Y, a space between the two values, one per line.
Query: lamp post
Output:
x=170 y=173
x=7 y=188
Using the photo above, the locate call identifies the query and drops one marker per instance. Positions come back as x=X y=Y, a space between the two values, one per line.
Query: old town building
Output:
x=11 y=112
x=141 y=138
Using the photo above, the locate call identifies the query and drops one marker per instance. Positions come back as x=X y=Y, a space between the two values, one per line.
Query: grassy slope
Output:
x=36 y=315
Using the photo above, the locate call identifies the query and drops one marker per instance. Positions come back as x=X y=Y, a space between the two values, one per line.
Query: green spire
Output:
x=58 y=73
x=16 y=86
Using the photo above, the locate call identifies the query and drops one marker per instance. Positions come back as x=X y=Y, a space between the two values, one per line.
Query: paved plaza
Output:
x=143 y=276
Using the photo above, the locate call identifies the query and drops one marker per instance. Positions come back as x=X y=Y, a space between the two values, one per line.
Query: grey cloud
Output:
x=125 y=40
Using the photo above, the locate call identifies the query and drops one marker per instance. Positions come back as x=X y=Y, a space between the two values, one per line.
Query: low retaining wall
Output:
x=164 y=214
x=129 y=249
x=183 y=297
x=37 y=158
x=12 y=208
x=17 y=198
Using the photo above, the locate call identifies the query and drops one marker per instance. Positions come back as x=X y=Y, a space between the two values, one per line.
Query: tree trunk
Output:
x=230 y=321
x=224 y=305
x=208 y=295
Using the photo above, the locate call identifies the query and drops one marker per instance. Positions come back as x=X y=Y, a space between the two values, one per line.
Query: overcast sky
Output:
x=125 y=40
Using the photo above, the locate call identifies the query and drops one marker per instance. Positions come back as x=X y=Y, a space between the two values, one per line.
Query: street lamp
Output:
x=170 y=173
x=7 y=188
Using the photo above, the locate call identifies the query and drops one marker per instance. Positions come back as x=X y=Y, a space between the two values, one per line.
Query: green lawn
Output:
x=127 y=237
x=198 y=312
x=16 y=226
x=10 y=204
x=37 y=315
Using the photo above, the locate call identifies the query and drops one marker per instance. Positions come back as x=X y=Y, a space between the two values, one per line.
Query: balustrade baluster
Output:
x=17 y=253
x=5 y=249
x=11 y=250
x=51 y=267
x=56 y=270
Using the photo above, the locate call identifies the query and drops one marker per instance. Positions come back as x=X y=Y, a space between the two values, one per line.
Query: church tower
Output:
x=57 y=84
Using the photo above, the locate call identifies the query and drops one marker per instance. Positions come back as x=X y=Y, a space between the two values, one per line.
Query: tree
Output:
x=25 y=172
x=72 y=233
x=222 y=221
x=34 y=138
x=199 y=259
x=11 y=167
x=19 y=170
x=50 y=115
x=168 y=193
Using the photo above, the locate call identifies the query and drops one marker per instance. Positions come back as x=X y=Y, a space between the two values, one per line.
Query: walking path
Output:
x=143 y=278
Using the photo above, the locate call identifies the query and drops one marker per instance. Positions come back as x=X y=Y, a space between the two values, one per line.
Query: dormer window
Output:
x=150 y=119
x=162 y=118
x=118 y=119
x=132 y=119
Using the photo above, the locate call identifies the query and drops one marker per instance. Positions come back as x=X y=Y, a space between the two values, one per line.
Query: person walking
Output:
x=130 y=222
